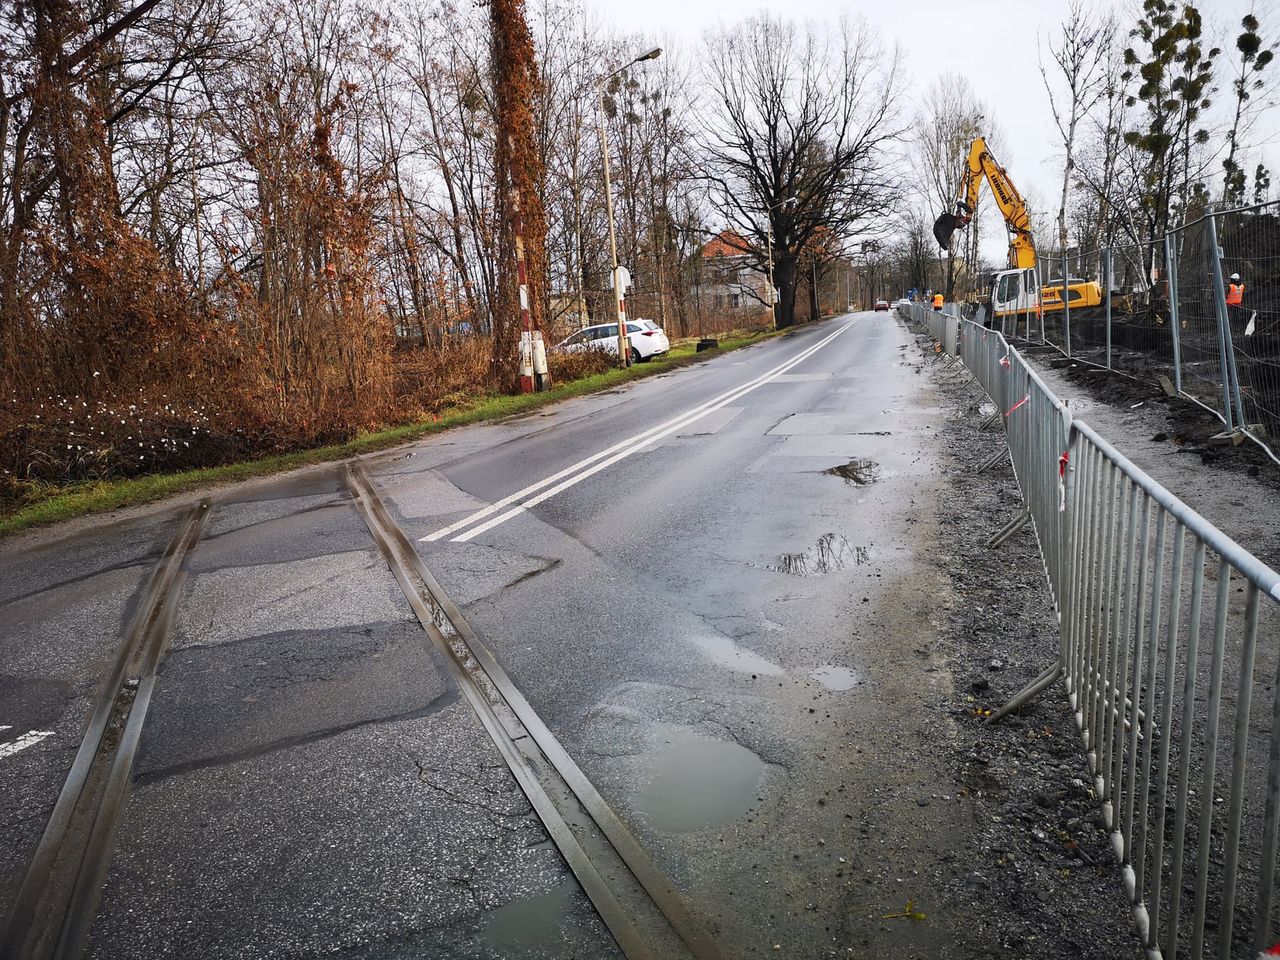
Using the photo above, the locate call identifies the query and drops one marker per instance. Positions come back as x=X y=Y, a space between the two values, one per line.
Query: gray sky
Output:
x=958 y=36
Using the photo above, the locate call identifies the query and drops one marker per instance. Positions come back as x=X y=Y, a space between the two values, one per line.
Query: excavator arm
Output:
x=982 y=165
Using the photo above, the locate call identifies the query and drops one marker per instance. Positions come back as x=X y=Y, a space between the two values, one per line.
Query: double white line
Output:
x=530 y=496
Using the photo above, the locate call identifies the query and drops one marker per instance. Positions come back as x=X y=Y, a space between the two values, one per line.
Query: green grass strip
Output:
x=66 y=502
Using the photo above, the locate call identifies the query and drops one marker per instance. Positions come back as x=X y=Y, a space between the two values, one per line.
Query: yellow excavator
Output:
x=1017 y=290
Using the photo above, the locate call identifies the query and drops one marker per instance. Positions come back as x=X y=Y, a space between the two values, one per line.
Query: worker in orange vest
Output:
x=937 y=301
x=1235 y=291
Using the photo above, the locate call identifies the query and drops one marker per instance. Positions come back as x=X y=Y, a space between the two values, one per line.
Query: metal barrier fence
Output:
x=1165 y=312
x=1167 y=632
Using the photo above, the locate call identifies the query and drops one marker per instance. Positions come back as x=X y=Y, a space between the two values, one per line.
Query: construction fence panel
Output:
x=1134 y=315
x=1202 y=362
x=1168 y=650
x=1165 y=314
x=1079 y=331
x=1250 y=242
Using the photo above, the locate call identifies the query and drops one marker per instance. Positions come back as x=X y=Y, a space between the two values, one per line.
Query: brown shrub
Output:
x=574 y=366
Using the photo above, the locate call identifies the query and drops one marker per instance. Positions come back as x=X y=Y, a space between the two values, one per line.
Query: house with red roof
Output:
x=731 y=279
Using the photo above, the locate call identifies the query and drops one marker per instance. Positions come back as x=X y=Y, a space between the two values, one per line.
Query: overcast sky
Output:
x=992 y=42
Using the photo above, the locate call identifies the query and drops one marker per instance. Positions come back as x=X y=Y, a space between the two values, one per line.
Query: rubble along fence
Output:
x=1168 y=649
x=1164 y=313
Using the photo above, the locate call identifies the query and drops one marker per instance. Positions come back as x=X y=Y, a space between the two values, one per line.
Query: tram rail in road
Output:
x=643 y=910
x=58 y=898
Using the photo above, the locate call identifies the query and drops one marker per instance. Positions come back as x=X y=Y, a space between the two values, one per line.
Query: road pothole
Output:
x=698 y=782
x=860 y=473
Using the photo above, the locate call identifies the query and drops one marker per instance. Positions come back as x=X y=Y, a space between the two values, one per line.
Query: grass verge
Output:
x=64 y=503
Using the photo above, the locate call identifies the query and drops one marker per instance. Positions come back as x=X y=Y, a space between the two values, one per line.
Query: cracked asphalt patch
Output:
x=267 y=692
x=388 y=840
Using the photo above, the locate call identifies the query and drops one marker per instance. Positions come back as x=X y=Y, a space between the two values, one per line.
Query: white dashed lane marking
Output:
x=24 y=741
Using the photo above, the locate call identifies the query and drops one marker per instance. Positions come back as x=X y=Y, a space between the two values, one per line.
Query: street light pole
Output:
x=619 y=295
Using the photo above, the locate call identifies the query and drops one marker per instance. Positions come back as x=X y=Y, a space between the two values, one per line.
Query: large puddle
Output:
x=530 y=921
x=699 y=782
x=831 y=552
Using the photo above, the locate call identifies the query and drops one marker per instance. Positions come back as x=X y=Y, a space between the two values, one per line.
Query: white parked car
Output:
x=646 y=337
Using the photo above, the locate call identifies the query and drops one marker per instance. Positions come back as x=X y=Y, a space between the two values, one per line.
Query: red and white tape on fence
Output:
x=1063 y=461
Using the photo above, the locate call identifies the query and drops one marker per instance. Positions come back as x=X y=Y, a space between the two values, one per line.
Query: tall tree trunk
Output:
x=785 y=273
x=518 y=174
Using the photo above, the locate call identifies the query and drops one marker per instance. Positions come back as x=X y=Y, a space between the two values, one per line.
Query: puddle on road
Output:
x=836 y=678
x=860 y=473
x=530 y=922
x=831 y=552
x=698 y=782
x=724 y=652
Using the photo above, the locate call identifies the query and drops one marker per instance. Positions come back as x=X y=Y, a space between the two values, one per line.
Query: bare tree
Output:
x=951 y=118
x=800 y=125
x=1246 y=85
x=1084 y=47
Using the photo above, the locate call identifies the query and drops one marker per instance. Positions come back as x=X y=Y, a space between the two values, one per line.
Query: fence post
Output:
x=1066 y=310
x=1225 y=350
x=1171 y=285
x=1066 y=333
x=1106 y=272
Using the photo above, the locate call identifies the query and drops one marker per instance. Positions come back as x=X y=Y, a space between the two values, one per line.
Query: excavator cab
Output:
x=1015 y=292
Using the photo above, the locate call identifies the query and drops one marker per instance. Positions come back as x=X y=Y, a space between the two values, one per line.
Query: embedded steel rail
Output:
x=643 y=910
x=58 y=899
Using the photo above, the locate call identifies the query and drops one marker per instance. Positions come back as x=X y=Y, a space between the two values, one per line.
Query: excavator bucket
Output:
x=943 y=228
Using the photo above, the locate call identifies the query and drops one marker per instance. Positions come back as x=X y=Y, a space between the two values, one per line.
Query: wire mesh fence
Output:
x=1199 y=306
x=1200 y=368
x=1250 y=242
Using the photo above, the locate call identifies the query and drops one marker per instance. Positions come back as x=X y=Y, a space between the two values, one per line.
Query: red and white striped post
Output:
x=527 y=384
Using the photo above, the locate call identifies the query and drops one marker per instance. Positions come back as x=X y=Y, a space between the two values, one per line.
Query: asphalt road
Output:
x=729 y=638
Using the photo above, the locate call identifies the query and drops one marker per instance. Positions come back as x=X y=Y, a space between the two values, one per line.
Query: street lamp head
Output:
x=653 y=54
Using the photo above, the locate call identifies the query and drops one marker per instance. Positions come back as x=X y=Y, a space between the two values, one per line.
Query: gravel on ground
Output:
x=1036 y=861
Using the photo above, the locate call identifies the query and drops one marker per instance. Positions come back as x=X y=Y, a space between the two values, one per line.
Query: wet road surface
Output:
x=713 y=586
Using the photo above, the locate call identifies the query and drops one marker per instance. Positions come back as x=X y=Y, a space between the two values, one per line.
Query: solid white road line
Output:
x=568 y=471
x=633 y=445
x=24 y=741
